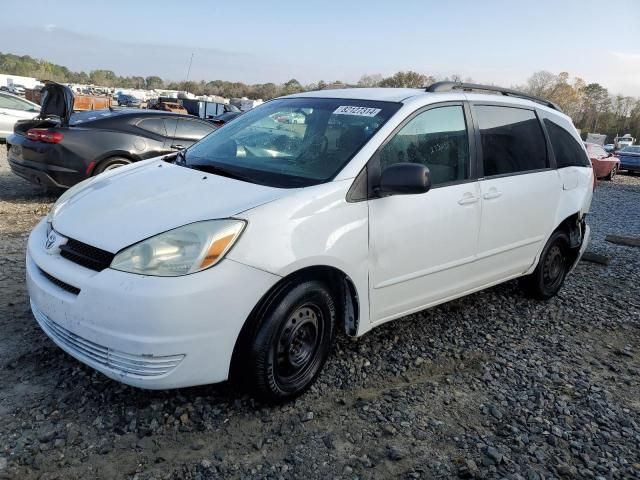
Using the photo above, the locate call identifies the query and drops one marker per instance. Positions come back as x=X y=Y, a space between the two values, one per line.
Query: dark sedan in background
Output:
x=59 y=148
x=630 y=158
x=125 y=100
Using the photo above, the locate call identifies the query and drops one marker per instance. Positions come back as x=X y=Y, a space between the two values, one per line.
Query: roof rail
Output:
x=448 y=86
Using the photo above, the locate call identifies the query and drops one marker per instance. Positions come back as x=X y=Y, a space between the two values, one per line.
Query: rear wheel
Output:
x=110 y=164
x=548 y=277
x=291 y=342
x=612 y=173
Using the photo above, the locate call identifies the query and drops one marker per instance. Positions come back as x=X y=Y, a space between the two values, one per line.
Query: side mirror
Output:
x=404 y=179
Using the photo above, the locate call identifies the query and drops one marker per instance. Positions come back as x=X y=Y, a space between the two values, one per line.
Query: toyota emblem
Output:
x=51 y=241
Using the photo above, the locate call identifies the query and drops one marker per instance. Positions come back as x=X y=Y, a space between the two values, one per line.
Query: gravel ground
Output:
x=490 y=386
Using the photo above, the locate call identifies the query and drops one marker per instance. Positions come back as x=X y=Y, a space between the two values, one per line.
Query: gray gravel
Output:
x=490 y=386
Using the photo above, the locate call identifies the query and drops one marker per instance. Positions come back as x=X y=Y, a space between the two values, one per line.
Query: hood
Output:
x=56 y=101
x=126 y=205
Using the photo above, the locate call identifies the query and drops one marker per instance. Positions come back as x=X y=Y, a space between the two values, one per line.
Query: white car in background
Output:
x=17 y=89
x=12 y=109
x=244 y=255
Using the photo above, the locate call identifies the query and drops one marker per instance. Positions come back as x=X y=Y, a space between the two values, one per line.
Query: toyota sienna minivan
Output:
x=243 y=256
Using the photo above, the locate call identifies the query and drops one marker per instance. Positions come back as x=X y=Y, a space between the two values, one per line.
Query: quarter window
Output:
x=566 y=149
x=512 y=140
x=437 y=139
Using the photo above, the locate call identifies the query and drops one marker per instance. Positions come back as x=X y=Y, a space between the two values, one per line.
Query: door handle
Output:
x=178 y=147
x=491 y=195
x=467 y=199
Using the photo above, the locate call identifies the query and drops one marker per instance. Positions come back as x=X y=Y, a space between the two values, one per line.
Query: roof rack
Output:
x=467 y=87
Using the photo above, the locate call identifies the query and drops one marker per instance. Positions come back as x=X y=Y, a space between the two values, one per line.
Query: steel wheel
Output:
x=554 y=268
x=282 y=352
x=548 y=277
x=298 y=343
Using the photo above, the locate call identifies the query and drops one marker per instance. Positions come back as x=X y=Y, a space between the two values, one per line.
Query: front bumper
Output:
x=149 y=332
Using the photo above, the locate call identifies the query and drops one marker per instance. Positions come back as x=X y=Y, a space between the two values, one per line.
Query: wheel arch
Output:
x=573 y=227
x=342 y=288
x=93 y=165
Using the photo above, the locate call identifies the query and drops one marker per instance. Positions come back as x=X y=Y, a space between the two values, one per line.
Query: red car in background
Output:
x=605 y=164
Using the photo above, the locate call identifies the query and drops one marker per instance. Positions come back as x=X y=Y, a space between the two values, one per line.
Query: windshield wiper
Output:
x=216 y=170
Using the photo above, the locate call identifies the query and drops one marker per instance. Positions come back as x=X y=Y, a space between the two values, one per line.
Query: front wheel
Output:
x=291 y=342
x=548 y=277
x=612 y=173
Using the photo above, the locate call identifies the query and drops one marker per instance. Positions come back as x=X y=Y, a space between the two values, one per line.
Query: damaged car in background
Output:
x=372 y=205
x=60 y=147
x=605 y=164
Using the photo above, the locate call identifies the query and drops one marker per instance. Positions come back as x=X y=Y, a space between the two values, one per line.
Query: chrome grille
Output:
x=118 y=362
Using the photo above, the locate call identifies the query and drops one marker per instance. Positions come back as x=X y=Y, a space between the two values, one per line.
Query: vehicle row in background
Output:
x=82 y=101
x=59 y=148
x=14 y=88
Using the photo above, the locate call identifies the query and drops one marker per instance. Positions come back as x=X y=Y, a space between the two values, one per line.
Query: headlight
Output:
x=181 y=251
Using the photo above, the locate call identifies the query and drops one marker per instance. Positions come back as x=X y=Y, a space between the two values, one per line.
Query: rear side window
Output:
x=437 y=139
x=512 y=140
x=153 y=125
x=566 y=149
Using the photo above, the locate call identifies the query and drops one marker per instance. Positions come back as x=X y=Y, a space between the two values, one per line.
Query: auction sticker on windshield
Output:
x=359 y=111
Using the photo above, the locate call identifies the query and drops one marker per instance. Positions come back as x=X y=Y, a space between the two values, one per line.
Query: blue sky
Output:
x=495 y=41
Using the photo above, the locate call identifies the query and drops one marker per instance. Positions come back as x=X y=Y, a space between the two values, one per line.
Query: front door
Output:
x=184 y=132
x=422 y=246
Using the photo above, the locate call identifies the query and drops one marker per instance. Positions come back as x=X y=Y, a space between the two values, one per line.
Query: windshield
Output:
x=291 y=142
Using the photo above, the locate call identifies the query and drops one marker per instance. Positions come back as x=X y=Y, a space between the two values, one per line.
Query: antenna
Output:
x=175 y=130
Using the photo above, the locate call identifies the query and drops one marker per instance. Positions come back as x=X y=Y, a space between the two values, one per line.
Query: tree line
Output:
x=590 y=105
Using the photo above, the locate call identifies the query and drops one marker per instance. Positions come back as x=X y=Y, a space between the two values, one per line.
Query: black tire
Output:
x=290 y=343
x=111 y=163
x=612 y=173
x=547 y=279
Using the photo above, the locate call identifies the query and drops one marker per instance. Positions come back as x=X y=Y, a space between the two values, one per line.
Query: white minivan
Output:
x=243 y=256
